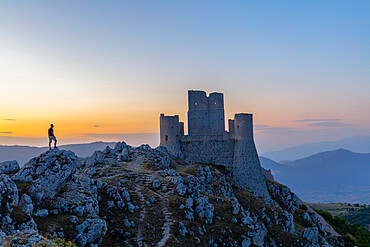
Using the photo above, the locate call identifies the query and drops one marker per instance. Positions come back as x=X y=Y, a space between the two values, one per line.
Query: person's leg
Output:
x=55 y=142
x=49 y=144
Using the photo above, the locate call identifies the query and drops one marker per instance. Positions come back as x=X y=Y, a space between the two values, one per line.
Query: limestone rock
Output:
x=91 y=231
x=25 y=204
x=8 y=192
x=181 y=189
x=183 y=231
x=9 y=167
x=258 y=234
x=79 y=197
x=41 y=213
x=204 y=209
x=73 y=219
x=25 y=238
x=289 y=223
x=311 y=234
x=156 y=184
x=48 y=174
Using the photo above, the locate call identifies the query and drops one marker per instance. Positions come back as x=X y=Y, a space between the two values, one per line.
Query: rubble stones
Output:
x=183 y=231
x=73 y=219
x=204 y=209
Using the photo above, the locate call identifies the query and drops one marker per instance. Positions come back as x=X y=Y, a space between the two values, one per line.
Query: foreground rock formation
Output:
x=141 y=196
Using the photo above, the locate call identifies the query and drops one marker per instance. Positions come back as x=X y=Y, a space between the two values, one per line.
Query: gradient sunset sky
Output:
x=105 y=70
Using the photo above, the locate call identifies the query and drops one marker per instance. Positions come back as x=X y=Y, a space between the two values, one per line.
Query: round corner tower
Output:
x=171 y=131
x=243 y=126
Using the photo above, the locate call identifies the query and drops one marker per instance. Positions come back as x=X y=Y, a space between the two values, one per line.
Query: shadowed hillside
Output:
x=333 y=176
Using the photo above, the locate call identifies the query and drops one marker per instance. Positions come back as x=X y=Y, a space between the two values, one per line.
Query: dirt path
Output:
x=139 y=235
x=167 y=224
x=144 y=178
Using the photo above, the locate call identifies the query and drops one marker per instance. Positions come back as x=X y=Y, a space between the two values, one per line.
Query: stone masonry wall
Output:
x=247 y=169
x=208 y=150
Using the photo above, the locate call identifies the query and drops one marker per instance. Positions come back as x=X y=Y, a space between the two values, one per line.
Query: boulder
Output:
x=156 y=184
x=25 y=204
x=9 y=167
x=91 y=231
x=8 y=192
x=181 y=189
x=42 y=213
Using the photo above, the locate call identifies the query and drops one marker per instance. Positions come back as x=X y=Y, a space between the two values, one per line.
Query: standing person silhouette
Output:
x=52 y=136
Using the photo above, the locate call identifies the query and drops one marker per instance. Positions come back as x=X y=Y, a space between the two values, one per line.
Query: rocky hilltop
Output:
x=139 y=196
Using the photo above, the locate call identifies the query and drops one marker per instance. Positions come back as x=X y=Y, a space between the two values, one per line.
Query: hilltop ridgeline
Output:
x=141 y=196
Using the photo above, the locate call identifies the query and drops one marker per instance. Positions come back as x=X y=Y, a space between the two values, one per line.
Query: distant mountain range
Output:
x=23 y=154
x=359 y=144
x=332 y=176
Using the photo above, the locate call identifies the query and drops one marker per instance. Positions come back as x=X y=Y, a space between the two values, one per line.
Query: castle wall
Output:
x=217 y=150
x=231 y=128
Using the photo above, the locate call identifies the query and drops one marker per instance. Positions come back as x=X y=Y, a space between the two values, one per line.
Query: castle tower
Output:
x=206 y=115
x=216 y=113
x=246 y=167
x=243 y=126
x=198 y=116
x=171 y=130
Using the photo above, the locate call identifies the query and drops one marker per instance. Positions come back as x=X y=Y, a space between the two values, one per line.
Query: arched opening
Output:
x=166 y=137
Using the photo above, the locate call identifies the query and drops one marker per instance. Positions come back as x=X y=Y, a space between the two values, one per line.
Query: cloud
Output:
x=96 y=126
x=6 y=132
x=319 y=120
x=261 y=126
x=9 y=119
x=330 y=124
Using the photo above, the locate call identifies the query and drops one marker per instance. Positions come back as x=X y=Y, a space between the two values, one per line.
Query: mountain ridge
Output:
x=358 y=144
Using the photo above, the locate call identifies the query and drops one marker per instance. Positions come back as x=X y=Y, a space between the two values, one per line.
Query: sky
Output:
x=105 y=70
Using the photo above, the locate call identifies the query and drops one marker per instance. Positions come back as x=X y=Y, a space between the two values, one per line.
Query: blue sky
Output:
x=118 y=64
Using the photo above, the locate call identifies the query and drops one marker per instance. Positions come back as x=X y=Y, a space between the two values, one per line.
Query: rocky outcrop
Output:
x=284 y=195
x=143 y=196
x=48 y=174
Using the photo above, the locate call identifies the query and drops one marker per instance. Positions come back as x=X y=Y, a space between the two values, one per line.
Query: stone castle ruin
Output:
x=207 y=141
